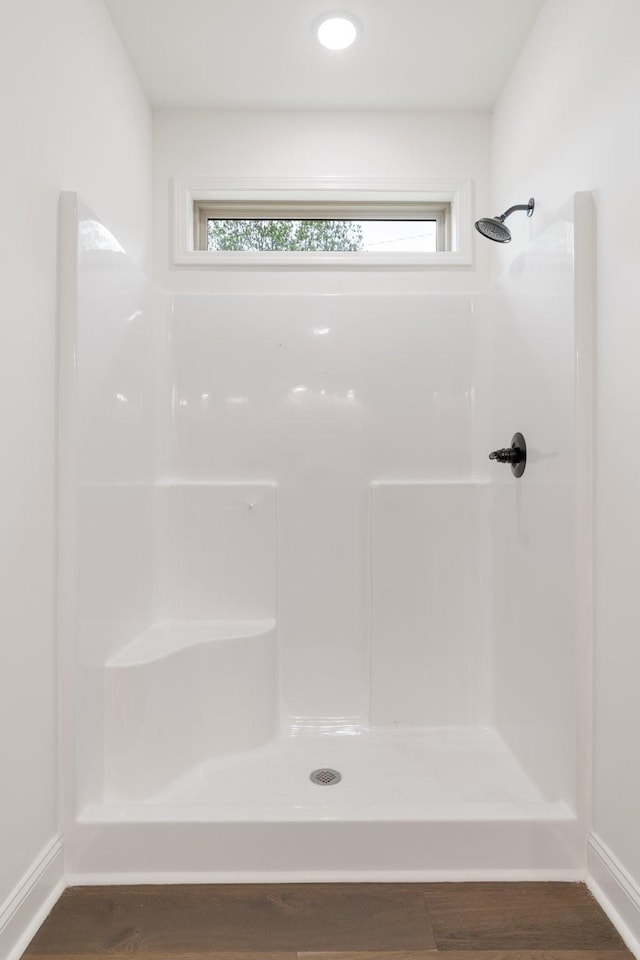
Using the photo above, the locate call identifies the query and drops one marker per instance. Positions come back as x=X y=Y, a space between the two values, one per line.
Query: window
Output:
x=321 y=227
x=337 y=223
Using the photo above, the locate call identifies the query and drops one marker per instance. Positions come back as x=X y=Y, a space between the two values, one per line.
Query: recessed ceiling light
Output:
x=337 y=31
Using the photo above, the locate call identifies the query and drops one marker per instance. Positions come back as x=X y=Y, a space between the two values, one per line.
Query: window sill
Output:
x=314 y=261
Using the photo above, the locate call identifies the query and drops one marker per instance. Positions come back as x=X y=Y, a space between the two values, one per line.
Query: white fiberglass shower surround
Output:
x=283 y=547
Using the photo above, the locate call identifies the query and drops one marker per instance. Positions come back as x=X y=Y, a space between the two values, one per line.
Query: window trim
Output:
x=192 y=196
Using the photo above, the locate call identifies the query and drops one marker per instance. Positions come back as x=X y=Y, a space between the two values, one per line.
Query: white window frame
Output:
x=193 y=199
x=205 y=210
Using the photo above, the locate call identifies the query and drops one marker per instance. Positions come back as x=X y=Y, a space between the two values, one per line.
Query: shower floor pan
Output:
x=411 y=804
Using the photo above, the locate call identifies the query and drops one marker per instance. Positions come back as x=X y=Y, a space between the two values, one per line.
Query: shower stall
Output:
x=283 y=548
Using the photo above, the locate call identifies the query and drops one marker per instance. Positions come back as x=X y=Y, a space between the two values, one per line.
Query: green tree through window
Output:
x=286 y=235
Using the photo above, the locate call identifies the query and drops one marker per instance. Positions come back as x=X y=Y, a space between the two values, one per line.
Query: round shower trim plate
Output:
x=325 y=777
x=519 y=443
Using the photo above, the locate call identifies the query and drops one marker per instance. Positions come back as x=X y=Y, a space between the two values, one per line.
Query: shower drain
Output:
x=325 y=777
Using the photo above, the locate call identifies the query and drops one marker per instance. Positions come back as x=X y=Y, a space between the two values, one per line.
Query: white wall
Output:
x=324 y=396
x=108 y=439
x=568 y=120
x=72 y=115
x=364 y=145
x=531 y=341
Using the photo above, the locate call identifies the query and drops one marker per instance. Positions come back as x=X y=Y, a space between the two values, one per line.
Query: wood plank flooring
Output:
x=372 y=921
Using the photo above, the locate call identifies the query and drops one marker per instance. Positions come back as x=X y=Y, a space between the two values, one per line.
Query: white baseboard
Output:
x=31 y=901
x=616 y=892
x=297 y=876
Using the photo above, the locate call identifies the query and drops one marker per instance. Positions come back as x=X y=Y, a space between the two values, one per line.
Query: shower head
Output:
x=494 y=228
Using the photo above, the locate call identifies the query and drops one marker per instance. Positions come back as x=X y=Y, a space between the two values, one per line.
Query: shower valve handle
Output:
x=507 y=455
x=516 y=455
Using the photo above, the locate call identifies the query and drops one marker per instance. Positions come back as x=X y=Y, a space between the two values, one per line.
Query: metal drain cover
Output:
x=325 y=777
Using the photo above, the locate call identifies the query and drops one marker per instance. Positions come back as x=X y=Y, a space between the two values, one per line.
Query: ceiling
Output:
x=263 y=54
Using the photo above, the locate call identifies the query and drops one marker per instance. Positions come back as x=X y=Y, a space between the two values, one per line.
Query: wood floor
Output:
x=377 y=921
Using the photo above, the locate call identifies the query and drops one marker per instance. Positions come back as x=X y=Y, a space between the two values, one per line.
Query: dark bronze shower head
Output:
x=494 y=228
